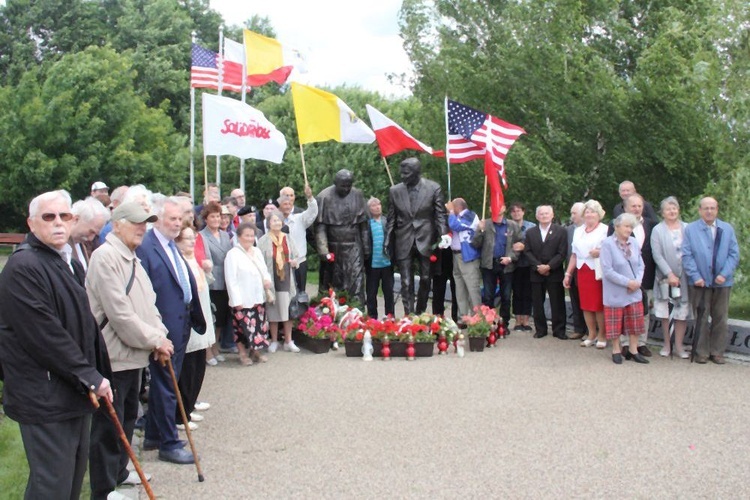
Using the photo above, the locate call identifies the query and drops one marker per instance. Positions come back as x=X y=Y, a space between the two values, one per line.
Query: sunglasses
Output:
x=64 y=216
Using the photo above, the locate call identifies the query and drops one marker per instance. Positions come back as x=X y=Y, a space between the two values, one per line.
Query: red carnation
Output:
x=433 y=258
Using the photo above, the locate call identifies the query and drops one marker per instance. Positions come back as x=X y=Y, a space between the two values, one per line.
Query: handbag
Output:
x=597 y=269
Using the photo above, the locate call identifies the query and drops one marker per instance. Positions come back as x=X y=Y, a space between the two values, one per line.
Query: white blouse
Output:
x=584 y=242
x=244 y=273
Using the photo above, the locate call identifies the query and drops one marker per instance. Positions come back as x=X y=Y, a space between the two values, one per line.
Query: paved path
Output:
x=534 y=418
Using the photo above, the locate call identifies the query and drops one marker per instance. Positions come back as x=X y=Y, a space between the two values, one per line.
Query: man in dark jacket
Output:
x=51 y=351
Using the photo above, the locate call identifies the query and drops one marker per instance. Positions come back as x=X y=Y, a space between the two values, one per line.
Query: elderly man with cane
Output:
x=51 y=351
x=123 y=302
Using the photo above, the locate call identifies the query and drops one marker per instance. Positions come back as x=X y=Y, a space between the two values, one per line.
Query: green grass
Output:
x=14 y=470
x=739 y=304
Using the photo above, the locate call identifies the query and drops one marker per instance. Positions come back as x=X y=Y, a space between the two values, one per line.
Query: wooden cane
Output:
x=185 y=421
x=124 y=439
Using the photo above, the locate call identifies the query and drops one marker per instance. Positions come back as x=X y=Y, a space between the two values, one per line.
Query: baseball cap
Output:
x=133 y=212
x=247 y=209
x=98 y=185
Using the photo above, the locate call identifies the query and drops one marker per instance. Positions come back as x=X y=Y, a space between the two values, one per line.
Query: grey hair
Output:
x=627 y=219
x=90 y=209
x=162 y=202
x=118 y=194
x=578 y=207
x=137 y=193
x=275 y=213
x=545 y=206
x=669 y=200
x=49 y=196
x=595 y=207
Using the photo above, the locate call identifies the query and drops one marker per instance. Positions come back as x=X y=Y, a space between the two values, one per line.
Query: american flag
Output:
x=204 y=71
x=473 y=135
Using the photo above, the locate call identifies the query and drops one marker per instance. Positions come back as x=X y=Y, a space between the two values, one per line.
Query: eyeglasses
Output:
x=64 y=216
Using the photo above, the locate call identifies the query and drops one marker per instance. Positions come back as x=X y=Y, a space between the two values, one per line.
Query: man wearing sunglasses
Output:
x=51 y=351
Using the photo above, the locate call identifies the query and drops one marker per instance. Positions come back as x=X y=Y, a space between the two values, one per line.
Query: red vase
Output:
x=502 y=332
x=491 y=339
x=385 y=351
x=442 y=345
x=410 y=352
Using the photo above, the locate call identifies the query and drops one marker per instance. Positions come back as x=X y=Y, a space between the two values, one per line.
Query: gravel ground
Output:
x=532 y=418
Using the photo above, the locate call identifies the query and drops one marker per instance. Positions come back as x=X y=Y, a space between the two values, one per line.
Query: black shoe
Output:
x=562 y=336
x=539 y=335
x=701 y=360
x=626 y=353
x=644 y=351
x=178 y=456
x=638 y=358
x=150 y=444
x=617 y=358
x=527 y=328
x=518 y=328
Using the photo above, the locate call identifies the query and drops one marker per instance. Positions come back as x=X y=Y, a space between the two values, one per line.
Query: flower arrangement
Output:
x=480 y=323
x=318 y=324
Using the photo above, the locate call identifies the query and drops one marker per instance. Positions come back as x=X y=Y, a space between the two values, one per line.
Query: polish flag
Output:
x=392 y=138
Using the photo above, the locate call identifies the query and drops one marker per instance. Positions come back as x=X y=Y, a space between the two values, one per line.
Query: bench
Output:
x=12 y=239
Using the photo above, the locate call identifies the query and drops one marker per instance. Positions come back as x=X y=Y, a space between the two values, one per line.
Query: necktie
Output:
x=184 y=284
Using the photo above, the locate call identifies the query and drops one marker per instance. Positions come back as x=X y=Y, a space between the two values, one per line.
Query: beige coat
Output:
x=135 y=328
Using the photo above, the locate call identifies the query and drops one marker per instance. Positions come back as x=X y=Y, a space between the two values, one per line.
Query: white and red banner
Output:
x=231 y=127
x=392 y=138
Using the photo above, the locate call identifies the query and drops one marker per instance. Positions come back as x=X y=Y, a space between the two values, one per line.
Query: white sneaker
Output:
x=193 y=426
x=212 y=362
x=202 y=406
x=335 y=346
x=664 y=352
x=116 y=495
x=273 y=347
x=196 y=417
x=291 y=347
x=134 y=479
x=220 y=358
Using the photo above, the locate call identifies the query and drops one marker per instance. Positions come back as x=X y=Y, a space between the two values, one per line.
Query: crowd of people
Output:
x=112 y=285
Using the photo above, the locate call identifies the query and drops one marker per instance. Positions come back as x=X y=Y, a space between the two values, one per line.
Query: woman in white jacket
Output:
x=247 y=280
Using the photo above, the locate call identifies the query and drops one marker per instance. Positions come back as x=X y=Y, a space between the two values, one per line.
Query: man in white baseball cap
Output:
x=99 y=188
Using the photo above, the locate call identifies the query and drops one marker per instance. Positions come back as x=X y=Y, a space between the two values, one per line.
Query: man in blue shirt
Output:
x=710 y=255
x=464 y=223
x=379 y=268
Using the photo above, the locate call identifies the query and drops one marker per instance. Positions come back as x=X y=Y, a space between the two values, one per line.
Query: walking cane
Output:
x=185 y=421
x=124 y=439
x=700 y=312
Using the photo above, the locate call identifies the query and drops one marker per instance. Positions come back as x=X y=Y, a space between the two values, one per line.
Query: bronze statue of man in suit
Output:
x=416 y=221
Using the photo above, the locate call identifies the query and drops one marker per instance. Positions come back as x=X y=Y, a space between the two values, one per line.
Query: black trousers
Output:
x=57 y=453
x=522 y=291
x=557 y=304
x=108 y=458
x=191 y=381
x=376 y=277
x=300 y=276
x=407 y=283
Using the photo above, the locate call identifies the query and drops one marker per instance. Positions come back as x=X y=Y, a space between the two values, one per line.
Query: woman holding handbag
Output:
x=280 y=256
x=248 y=281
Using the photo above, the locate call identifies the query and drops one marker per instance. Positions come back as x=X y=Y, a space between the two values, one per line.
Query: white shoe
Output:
x=220 y=358
x=683 y=354
x=116 y=495
x=193 y=426
x=273 y=347
x=664 y=352
x=202 y=406
x=291 y=347
x=335 y=346
x=134 y=479
x=212 y=362
x=196 y=417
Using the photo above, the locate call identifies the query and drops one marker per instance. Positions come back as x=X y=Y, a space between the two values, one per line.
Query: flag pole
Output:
x=205 y=173
x=447 y=148
x=218 y=92
x=244 y=99
x=304 y=170
x=387 y=169
x=192 y=130
x=484 y=198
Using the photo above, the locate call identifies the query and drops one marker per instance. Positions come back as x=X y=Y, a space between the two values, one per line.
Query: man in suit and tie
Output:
x=546 y=248
x=416 y=222
x=177 y=302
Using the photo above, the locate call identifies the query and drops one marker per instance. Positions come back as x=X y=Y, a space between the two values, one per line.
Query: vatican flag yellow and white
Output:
x=321 y=116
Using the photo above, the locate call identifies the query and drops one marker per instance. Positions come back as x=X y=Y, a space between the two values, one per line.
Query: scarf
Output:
x=279 y=257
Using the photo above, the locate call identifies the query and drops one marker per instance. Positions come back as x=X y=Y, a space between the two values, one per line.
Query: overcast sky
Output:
x=346 y=41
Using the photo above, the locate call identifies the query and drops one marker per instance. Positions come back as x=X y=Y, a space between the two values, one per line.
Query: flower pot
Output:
x=398 y=348
x=298 y=337
x=317 y=346
x=353 y=349
x=424 y=349
x=476 y=343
